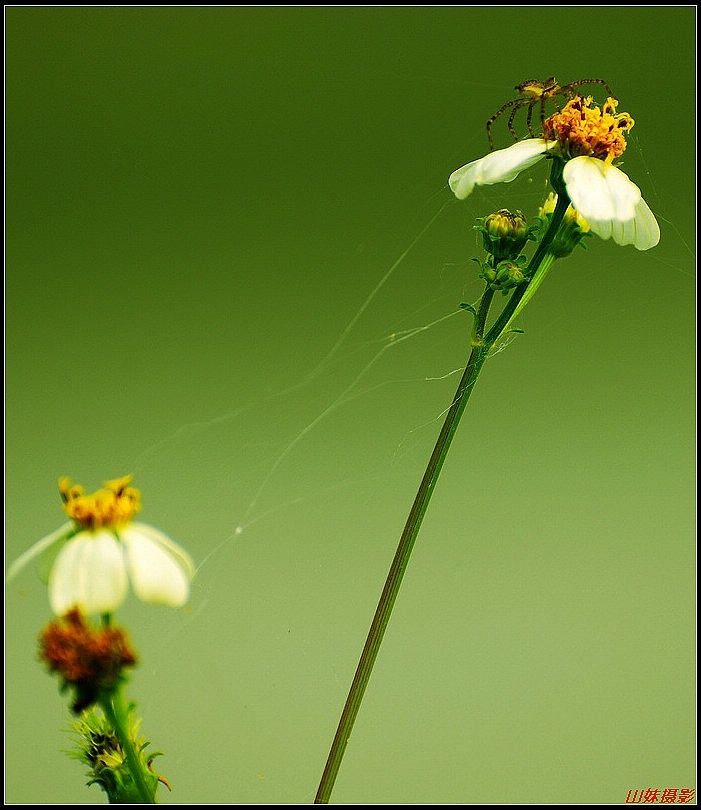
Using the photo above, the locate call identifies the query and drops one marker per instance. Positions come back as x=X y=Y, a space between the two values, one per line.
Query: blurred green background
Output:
x=200 y=204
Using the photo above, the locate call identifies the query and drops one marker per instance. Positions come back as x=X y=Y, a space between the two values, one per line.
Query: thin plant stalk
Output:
x=481 y=346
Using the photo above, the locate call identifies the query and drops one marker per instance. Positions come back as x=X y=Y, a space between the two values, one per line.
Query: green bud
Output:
x=572 y=230
x=506 y=275
x=504 y=234
x=509 y=275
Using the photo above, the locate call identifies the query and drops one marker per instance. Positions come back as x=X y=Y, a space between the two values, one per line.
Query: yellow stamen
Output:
x=114 y=505
x=584 y=129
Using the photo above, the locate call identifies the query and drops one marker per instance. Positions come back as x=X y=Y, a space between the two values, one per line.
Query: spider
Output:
x=533 y=91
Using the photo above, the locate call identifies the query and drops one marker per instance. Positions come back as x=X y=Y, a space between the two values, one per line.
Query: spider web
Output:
x=391 y=354
x=363 y=363
x=319 y=474
x=315 y=476
x=295 y=498
x=305 y=489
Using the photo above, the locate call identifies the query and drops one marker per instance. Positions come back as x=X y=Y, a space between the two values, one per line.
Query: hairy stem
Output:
x=117 y=714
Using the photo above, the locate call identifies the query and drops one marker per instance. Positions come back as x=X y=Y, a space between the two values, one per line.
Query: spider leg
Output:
x=530 y=115
x=516 y=108
x=542 y=114
x=496 y=115
x=571 y=86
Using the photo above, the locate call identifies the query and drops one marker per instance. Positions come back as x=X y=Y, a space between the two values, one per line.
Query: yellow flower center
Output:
x=110 y=507
x=583 y=129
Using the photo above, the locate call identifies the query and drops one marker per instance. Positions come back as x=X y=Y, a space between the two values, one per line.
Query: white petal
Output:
x=501 y=166
x=159 y=569
x=46 y=542
x=89 y=573
x=647 y=231
x=610 y=202
x=642 y=231
x=599 y=191
x=623 y=233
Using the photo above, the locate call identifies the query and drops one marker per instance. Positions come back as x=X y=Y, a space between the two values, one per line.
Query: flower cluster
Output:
x=583 y=129
x=584 y=140
x=113 y=506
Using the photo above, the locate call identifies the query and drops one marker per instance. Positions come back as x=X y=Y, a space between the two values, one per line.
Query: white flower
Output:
x=102 y=550
x=587 y=139
x=93 y=569
x=606 y=197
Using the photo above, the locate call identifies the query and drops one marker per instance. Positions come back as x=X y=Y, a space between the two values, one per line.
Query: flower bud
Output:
x=504 y=234
x=571 y=232
x=505 y=276
x=509 y=275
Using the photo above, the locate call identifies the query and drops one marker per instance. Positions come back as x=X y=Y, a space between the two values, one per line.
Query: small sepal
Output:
x=99 y=748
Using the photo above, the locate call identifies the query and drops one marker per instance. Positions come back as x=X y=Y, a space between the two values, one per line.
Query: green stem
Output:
x=401 y=558
x=481 y=345
x=117 y=714
x=537 y=269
